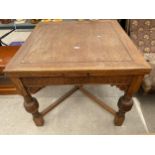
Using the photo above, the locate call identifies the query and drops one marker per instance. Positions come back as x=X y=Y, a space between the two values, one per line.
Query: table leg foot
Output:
x=125 y=104
x=38 y=120
x=32 y=107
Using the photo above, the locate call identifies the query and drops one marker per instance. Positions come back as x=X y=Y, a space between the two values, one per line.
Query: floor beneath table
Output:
x=78 y=114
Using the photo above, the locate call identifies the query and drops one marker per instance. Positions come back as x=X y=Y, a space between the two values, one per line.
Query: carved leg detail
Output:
x=125 y=104
x=32 y=107
x=30 y=103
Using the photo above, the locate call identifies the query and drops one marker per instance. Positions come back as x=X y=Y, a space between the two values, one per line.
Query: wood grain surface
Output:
x=83 y=47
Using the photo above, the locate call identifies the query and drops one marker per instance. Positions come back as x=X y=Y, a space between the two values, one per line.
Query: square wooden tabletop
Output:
x=72 y=46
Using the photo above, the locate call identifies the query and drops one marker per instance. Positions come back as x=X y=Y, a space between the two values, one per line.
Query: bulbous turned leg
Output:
x=30 y=103
x=124 y=104
x=32 y=107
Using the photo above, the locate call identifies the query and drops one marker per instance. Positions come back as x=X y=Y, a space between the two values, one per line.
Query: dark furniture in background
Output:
x=6 y=53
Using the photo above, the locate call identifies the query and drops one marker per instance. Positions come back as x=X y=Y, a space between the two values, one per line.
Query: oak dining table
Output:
x=78 y=53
